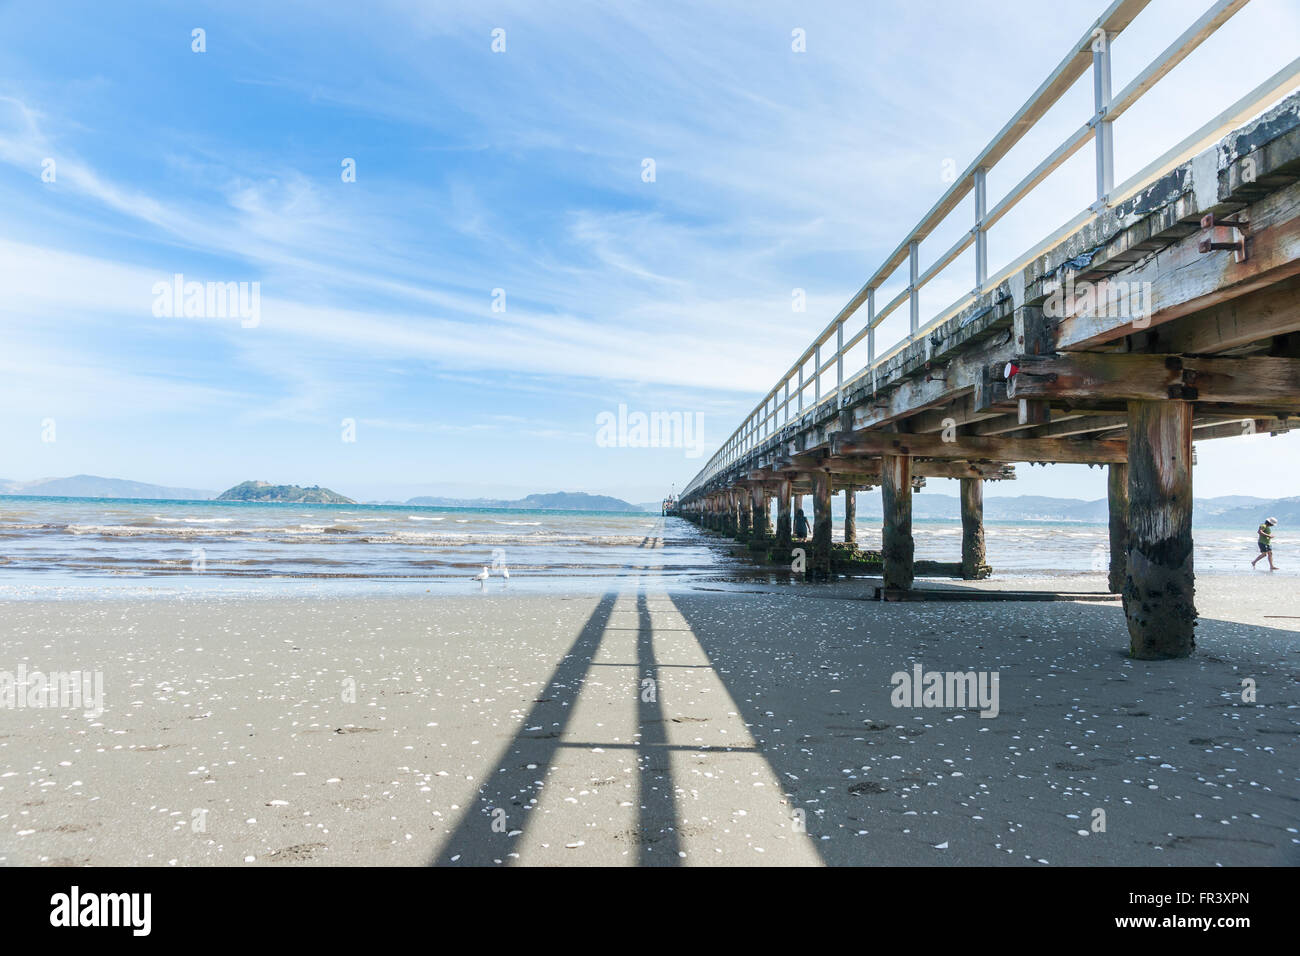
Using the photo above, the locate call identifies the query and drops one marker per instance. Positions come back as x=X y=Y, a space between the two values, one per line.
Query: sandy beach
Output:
x=742 y=725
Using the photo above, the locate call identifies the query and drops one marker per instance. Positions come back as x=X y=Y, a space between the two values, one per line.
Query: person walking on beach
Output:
x=1266 y=543
x=800 y=525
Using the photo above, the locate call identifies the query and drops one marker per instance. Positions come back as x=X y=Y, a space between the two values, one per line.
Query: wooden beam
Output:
x=1054 y=427
x=960 y=411
x=965 y=373
x=1183 y=280
x=1255 y=317
x=970 y=447
x=866 y=471
x=1080 y=425
x=1130 y=376
x=1243 y=426
x=987 y=471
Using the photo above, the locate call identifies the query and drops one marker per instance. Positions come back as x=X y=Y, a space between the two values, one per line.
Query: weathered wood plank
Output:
x=1183 y=280
x=1254 y=317
x=971 y=447
x=1081 y=376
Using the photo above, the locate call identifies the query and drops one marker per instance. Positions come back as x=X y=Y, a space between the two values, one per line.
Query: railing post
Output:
x=800 y=386
x=871 y=327
x=913 y=257
x=1102 y=131
x=839 y=359
x=981 y=239
x=817 y=374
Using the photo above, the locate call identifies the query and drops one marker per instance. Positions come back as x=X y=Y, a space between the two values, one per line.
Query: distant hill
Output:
x=296 y=494
x=556 y=501
x=93 y=486
x=1285 y=510
x=1225 y=511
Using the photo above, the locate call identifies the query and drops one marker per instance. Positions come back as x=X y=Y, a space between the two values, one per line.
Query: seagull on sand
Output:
x=482 y=575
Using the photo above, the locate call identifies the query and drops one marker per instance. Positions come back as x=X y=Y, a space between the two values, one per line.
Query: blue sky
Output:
x=522 y=171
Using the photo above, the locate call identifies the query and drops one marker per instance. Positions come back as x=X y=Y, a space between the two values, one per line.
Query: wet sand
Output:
x=747 y=725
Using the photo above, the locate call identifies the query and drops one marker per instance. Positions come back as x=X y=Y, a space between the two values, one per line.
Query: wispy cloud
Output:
x=520 y=172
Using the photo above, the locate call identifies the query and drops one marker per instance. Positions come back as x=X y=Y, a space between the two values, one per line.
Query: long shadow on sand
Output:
x=1186 y=772
x=485 y=837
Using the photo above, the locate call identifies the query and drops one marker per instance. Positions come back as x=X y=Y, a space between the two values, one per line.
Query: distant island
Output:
x=556 y=501
x=296 y=494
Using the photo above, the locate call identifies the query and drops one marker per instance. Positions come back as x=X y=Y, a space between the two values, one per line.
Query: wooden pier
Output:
x=1167 y=312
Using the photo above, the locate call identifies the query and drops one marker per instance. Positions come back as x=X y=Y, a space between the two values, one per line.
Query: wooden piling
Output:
x=761 y=528
x=1159 y=587
x=897 y=547
x=850 y=516
x=819 y=561
x=783 y=516
x=742 y=514
x=1117 y=500
x=973 y=559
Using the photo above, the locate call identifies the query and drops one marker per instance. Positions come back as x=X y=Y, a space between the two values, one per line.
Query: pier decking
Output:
x=1166 y=312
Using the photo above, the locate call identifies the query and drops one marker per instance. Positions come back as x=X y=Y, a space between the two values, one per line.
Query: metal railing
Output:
x=780 y=405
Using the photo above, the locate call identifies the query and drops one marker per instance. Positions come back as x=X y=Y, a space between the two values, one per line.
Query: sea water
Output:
x=105 y=542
